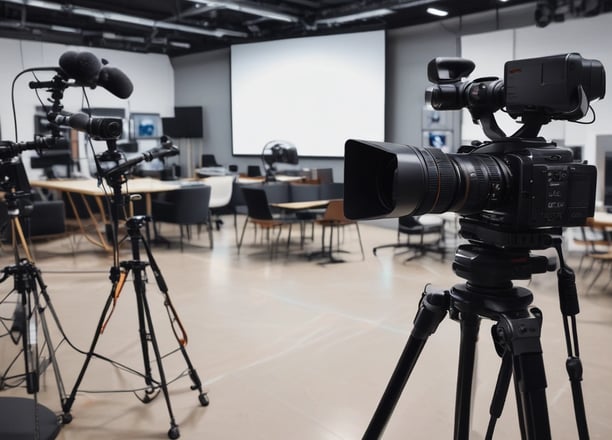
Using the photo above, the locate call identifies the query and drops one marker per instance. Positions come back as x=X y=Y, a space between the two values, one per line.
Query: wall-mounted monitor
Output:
x=186 y=123
x=315 y=92
x=145 y=125
x=438 y=139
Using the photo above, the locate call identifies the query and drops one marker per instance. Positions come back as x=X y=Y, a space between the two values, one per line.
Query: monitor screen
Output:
x=608 y=180
x=146 y=125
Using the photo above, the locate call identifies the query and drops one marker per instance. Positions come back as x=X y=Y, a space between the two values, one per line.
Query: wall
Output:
x=151 y=75
x=203 y=79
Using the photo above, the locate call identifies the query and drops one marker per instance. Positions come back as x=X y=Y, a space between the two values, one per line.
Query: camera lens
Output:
x=391 y=180
x=453 y=182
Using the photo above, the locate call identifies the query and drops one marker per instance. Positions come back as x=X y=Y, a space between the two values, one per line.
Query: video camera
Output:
x=518 y=182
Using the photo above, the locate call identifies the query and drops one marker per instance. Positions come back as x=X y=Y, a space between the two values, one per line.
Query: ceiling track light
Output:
x=250 y=9
x=437 y=12
x=103 y=16
x=356 y=16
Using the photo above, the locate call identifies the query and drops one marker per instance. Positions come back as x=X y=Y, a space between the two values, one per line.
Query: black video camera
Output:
x=518 y=182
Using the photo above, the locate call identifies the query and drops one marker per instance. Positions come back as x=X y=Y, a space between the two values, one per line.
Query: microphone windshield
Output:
x=83 y=66
x=116 y=82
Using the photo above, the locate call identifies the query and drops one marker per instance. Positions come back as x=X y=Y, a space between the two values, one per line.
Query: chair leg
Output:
x=360 y=243
x=601 y=268
x=210 y=233
x=242 y=235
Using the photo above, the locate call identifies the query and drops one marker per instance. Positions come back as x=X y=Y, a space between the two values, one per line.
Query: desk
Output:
x=600 y=220
x=300 y=206
x=89 y=187
x=261 y=179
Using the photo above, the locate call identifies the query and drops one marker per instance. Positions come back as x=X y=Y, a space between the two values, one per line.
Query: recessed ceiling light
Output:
x=437 y=12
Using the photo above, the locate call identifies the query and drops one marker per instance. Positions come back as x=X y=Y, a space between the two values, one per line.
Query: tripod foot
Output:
x=149 y=396
x=203 y=399
x=66 y=418
x=174 y=432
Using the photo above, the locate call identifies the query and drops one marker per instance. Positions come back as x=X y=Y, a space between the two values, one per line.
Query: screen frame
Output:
x=303 y=154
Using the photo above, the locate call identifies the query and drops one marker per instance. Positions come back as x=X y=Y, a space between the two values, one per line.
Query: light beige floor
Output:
x=289 y=349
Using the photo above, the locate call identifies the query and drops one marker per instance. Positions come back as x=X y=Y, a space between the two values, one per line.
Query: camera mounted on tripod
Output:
x=514 y=183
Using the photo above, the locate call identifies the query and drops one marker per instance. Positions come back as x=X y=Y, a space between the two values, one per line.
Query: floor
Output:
x=291 y=349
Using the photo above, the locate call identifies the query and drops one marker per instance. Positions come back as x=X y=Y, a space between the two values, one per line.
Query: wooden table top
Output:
x=90 y=186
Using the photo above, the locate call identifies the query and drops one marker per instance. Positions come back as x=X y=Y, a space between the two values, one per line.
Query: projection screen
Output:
x=315 y=92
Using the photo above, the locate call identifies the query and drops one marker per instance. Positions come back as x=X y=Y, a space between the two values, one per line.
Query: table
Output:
x=600 y=220
x=89 y=187
x=300 y=206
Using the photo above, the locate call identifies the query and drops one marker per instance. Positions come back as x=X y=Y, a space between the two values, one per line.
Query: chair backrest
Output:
x=220 y=190
x=190 y=204
x=303 y=192
x=209 y=160
x=409 y=221
x=335 y=211
x=277 y=192
x=257 y=203
x=253 y=171
x=333 y=190
x=325 y=175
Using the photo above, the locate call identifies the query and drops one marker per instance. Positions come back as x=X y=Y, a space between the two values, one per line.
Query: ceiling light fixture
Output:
x=247 y=9
x=123 y=18
x=354 y=17
x=437 y=12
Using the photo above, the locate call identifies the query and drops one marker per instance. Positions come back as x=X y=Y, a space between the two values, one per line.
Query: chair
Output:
x=304 y=192
x=595 y=243
x=331 y=190
x=604 y=259
x=413 y=227
x=334 y=219
x=221 y=188
x=209 y=160
x=325 y=175
x=185 y=206
x=260 y=215
x=45 y=220
x=253 y=171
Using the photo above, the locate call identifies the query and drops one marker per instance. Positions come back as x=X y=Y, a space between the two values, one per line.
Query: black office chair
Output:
x=410 y=226
x=253 y=171
x=185 y=207
x=331 y=191
x=260 y=215
x=42 y=219
x=305 y=192
x=209 y=160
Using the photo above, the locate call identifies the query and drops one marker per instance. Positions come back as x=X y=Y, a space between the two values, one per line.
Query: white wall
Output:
x=152 y=75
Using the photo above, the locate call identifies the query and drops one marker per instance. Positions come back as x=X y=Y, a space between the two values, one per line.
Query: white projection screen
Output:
x=315 y=92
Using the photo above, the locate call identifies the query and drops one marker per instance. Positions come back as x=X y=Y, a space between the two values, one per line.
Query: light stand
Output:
x=24 y=417
x=119 y=273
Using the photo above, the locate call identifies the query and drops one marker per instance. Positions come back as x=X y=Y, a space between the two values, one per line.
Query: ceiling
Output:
x=178 y=27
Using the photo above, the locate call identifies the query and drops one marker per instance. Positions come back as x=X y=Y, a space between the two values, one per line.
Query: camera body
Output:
x=513 y=183
x=548 y=188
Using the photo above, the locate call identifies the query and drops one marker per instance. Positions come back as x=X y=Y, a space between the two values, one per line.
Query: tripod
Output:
x=29 y=316
x=118 y=275
x=489 y=293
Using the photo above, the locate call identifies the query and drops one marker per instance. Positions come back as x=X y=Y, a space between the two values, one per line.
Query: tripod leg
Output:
x=522 y=336
x=143 y=308
x=470 y=324
x=70 y=400
x=432 y=310
x=174 y=320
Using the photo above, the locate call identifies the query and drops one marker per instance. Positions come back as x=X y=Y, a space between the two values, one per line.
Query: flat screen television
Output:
x=186 y=123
